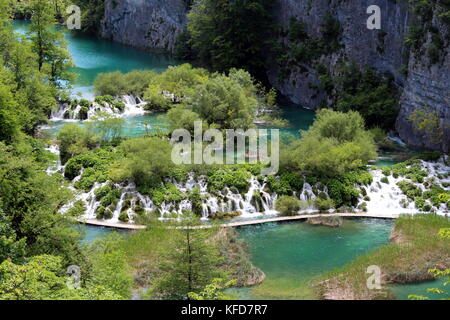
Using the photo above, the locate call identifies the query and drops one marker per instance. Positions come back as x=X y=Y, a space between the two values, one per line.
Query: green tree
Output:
x=335 y=144
x=213 y=291
x=9 y=122
x=147 y=161
x=10 y=246
x=289 y=206
x=426 y=121
x=181 y=117
x=41 y=279
x=49 y=43
x=109 y=266
x=225 y=102
x=367 y=92
x=74 y=140
x=227 y=34
x=190 y=264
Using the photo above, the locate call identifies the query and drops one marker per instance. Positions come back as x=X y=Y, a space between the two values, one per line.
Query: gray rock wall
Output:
x=146 y=24
x=425 y=85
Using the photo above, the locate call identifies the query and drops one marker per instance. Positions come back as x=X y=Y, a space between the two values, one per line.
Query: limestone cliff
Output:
x=423 y=83
x=146 y=24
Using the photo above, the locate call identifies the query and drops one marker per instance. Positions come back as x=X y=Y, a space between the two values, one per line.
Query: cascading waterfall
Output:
x=380 y=197
x=57 y=166
x=388 y=198
x=134 y=106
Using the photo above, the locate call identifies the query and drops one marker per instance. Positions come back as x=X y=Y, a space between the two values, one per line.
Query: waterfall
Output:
x=56 y=166
x=388 y=198
x=134 y=106
x=63 y=113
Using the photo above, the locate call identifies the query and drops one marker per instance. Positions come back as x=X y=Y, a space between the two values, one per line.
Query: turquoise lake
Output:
x=94 y=56
x=293 y=254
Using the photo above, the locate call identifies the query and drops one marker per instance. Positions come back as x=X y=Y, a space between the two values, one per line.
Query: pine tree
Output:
x=190 y=264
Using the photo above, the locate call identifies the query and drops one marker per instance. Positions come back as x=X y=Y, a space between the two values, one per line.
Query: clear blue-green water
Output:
x=403 y=291
x=92 y=233
x=292 y=255
x=134 y=126
x=93 y=56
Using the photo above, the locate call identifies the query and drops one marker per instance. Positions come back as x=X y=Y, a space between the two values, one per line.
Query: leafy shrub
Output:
x=78 y=209
x=336 y=143
x=366 y=91
x=111 y=198
x=289 y=206
x=279 y=186
x=227 y=177
x=343 y=193
x=101 y=192
x=409 y=189
x=124 y=216
x=419 y=202
x=363 y=207
x=386 y=171
x=104 y=99
x=430 y=156
x=324 y=204
x=75 y=140
x=118 y=84
x=385 y=180
x=100 y=212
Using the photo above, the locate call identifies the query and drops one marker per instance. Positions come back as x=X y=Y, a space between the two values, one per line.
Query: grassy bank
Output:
x=415 y=248
x=146 y=249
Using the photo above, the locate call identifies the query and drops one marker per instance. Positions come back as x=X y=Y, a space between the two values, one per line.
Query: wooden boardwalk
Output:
x=127 y=226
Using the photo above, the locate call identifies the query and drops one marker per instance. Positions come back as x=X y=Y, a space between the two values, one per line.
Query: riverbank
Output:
x=415 y=248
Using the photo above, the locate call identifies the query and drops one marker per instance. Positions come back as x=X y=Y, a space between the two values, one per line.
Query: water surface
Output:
x=293 y=254
x=93 y=56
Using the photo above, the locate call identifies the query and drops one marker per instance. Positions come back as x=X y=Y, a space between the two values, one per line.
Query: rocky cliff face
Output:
x=147 y=24
x=155 y=25
x=426 y=85
x=361 y=45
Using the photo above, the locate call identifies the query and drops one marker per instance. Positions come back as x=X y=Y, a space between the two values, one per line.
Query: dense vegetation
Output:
x=228 y=34
x=37 y=243
x=146 y=161
x=224 y=101
x=428 y=15
x=373 y=95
